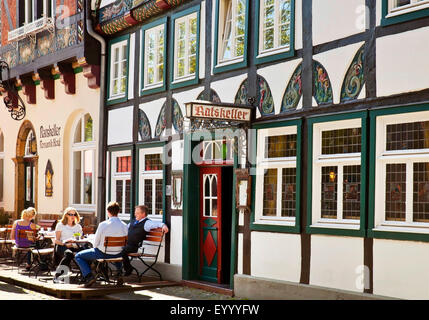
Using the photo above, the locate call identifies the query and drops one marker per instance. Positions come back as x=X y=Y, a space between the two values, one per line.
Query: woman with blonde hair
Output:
x=25 y=223
x=65 y=230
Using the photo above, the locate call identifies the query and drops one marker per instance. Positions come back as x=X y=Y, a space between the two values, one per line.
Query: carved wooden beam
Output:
x=90 y=71
x=162 y=4
x=68 y=78
x=47 y=83
x=28 y=89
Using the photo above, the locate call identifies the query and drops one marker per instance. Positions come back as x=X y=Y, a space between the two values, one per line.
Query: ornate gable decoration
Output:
x=354 y=79
x=49 y=172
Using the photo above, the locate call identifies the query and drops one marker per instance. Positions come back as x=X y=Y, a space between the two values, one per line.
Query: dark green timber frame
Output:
x=111 y=101
x=275 y=55
x=419 y=13
x=178 y=84
x=371 y=200
x=135 y=158
x=279 y=228
x=191 y=214
x=363 y=115
x=139 y=147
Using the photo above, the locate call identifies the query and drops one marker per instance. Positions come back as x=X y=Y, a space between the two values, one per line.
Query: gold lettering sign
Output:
x=218 y=112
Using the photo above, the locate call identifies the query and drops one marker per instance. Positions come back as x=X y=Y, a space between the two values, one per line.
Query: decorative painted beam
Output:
x=29 y=90
x=91 y=72
x=47 y=84
x=68 y=78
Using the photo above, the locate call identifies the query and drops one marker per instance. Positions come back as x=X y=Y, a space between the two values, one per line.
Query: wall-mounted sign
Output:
x=218 y=111
x=50 y=136
x=49 y=172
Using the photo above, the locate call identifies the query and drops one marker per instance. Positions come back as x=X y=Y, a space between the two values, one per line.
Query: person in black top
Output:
x=137 y=230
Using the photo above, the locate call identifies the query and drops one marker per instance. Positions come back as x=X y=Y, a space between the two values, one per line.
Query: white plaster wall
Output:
x=378 y=13
x=298 y=24
x=336 y=19
x=63 y=111
x=202 y=71
x=276 y=256
x=152 y=110
x=240 y=254
x=177 y=155
x=402 y=62
x=335 y=261
x=278 y=77
x=336 y=63
x=187 y=96
x=132 y=66
x=176 y=230
x=228 y=89
x=400 y=269
x=120 y=126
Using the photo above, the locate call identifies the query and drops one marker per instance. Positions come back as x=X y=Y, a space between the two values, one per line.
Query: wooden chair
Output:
x=149 y=250
x=102 y=265
x=42 y=257
x=17 y=251
x=47 y=224
x=88 y=230
x=5 y=242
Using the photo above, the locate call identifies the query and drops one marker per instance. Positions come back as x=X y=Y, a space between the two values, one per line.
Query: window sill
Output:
x=183 y=79
x=271 y=52
x=407 y=9
x=403 y=227
x=116 y=97
x=339 y=224
x=280 y=222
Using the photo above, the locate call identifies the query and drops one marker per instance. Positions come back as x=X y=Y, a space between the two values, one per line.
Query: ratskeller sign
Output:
x=50 y=133
x=218 y=111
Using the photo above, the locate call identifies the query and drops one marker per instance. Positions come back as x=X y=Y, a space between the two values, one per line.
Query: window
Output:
x=276 y=176
x=1 y=167
x=33 y=10
x=154 y=56
x=275 y=27
x=395 y=11
x=118 y=69
x=186 y=46
x=151 y=181
x=231 y=34
x=402 y=172
x=83 y=163
x=336 y=187
x=121 y=182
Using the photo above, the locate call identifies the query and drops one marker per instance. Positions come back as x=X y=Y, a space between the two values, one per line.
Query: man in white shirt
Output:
x=113 y=227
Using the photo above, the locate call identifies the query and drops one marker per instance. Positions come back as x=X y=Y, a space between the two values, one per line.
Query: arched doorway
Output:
x=26 y=168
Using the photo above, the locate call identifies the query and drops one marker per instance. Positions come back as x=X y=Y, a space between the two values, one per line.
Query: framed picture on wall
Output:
x=177 y=178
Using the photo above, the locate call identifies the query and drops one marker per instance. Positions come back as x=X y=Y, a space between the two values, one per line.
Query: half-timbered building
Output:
x=336 y=146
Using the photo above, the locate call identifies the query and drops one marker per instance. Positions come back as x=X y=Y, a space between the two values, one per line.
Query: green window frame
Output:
x=278 y=226
x=161 y=87
x=325 y=229
x=275 y=53
x=124 y=151
x=139 y=147
x=407 y=15
x=186 y=79
x=381 y=234
x=234 y=63
x=122 y=98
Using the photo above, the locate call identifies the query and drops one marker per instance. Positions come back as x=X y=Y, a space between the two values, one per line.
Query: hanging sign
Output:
x=227 y=112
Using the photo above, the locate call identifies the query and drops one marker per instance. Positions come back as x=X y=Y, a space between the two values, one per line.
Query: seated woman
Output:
x=26 y=223
x=64 y=231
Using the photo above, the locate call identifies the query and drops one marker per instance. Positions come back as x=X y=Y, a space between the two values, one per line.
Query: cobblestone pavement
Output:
x=170 y=293
x=11 y=292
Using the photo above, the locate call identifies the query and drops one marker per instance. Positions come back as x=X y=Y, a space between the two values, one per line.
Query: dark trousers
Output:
x=65 y=254
x=125 y=258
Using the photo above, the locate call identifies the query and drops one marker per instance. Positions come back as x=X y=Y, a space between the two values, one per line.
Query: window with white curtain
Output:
x=83 y=162
x=118 y=69
x=154 y=42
